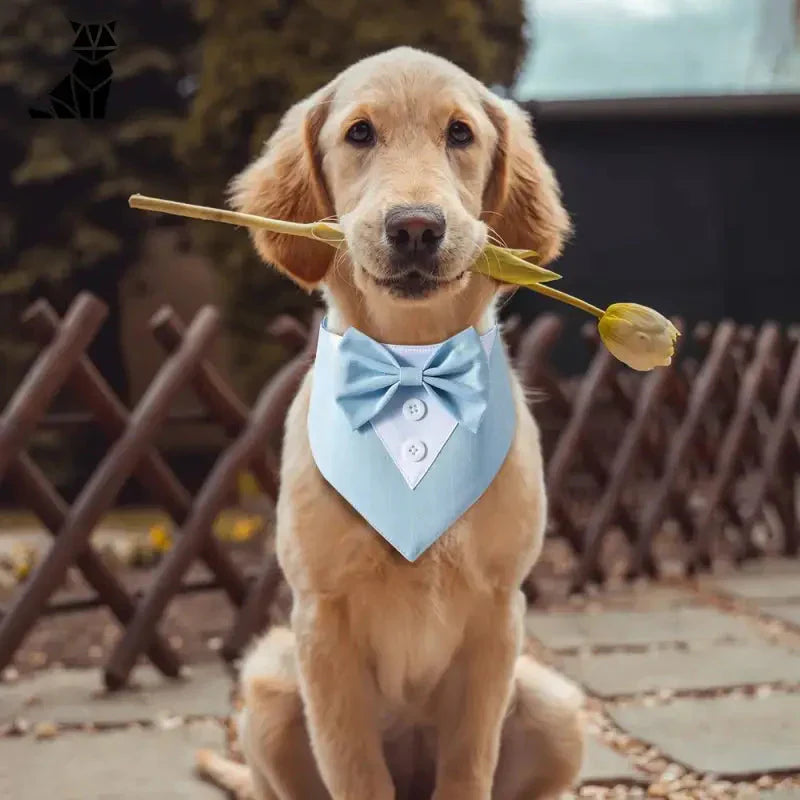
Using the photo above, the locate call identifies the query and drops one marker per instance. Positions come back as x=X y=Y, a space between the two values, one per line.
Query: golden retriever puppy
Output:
x=403 y=678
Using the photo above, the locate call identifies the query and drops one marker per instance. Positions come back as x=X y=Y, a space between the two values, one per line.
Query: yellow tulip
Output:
x=505 y=264
x=638 y=336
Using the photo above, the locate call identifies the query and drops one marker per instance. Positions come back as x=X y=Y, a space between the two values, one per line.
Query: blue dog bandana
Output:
x=410 y=436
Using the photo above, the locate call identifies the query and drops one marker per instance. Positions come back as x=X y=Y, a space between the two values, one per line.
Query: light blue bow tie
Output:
x=456 y=374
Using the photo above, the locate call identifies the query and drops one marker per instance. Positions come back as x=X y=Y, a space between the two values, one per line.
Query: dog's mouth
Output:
x=415 y=284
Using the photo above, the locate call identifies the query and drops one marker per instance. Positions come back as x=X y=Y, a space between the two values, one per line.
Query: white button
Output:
x=414 y=449
x=414 y=408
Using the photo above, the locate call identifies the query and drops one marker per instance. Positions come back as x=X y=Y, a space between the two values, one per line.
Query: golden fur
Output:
x=400 y=679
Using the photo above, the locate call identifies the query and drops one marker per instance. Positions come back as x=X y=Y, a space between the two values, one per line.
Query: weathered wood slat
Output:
x=632 y=451
x=151 y=470
x=267 y=413
x=106 y=481
x=47 y=375
x=34 y=488
x=732 y=444
x=664 y=495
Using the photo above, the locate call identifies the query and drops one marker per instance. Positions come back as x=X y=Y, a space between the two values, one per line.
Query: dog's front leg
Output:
x=339 y=701
x=474 y=700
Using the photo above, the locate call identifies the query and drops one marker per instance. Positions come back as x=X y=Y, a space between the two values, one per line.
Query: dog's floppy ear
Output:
x=286 y=182
x=522 y=201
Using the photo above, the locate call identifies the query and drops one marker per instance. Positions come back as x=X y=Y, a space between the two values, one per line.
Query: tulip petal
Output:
x=638 y=336
x=505 y=265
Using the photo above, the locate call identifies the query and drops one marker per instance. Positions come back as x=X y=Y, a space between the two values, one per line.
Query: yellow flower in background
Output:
x=247 y=485
x=245 y=527
x=23 y=560
x=638 y=336
x=160 y=538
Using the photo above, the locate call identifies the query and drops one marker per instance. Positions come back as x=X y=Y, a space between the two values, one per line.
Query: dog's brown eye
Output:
x=361 y=133
x=459 y=134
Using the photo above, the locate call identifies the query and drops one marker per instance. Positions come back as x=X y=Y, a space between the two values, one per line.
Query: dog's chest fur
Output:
x=408 y=619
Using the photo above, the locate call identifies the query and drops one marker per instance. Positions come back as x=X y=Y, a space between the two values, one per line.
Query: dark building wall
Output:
x=696 y=213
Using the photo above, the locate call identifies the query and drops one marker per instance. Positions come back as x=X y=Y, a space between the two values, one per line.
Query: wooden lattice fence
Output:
x=710 y=444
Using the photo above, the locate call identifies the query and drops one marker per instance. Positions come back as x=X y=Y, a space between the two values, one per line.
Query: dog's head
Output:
x=421 y=164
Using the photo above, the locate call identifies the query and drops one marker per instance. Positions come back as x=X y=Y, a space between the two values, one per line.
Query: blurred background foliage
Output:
x=73 y=177
x=64 y=221
x=197 y=88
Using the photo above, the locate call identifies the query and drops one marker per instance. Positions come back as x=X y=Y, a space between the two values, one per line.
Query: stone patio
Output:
x=76 y=697
x=565 y=630
x=733 y=736
x=602 y=764
x=693 y=691
x=708 y=667
x=129 y=763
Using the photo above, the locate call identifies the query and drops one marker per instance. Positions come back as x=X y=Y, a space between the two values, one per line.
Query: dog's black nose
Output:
x=415 y=231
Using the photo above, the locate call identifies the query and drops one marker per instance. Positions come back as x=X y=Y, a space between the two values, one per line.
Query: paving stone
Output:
x=707 y=667
x=562 y=630
x=77 y=696
x=644 y=596
x=127 y=764
x=774 y=565
x=730 y=736
x=601 y=763
x=762 y=586
x=788 y=612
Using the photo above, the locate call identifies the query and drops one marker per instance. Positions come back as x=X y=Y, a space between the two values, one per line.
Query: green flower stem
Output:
x=332 y=235
x=221 y=215
x=568 y=299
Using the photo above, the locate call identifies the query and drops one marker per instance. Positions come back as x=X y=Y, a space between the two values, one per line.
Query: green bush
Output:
x=64 y=220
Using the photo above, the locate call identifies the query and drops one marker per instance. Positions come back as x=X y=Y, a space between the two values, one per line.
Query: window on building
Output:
x=589 y=49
